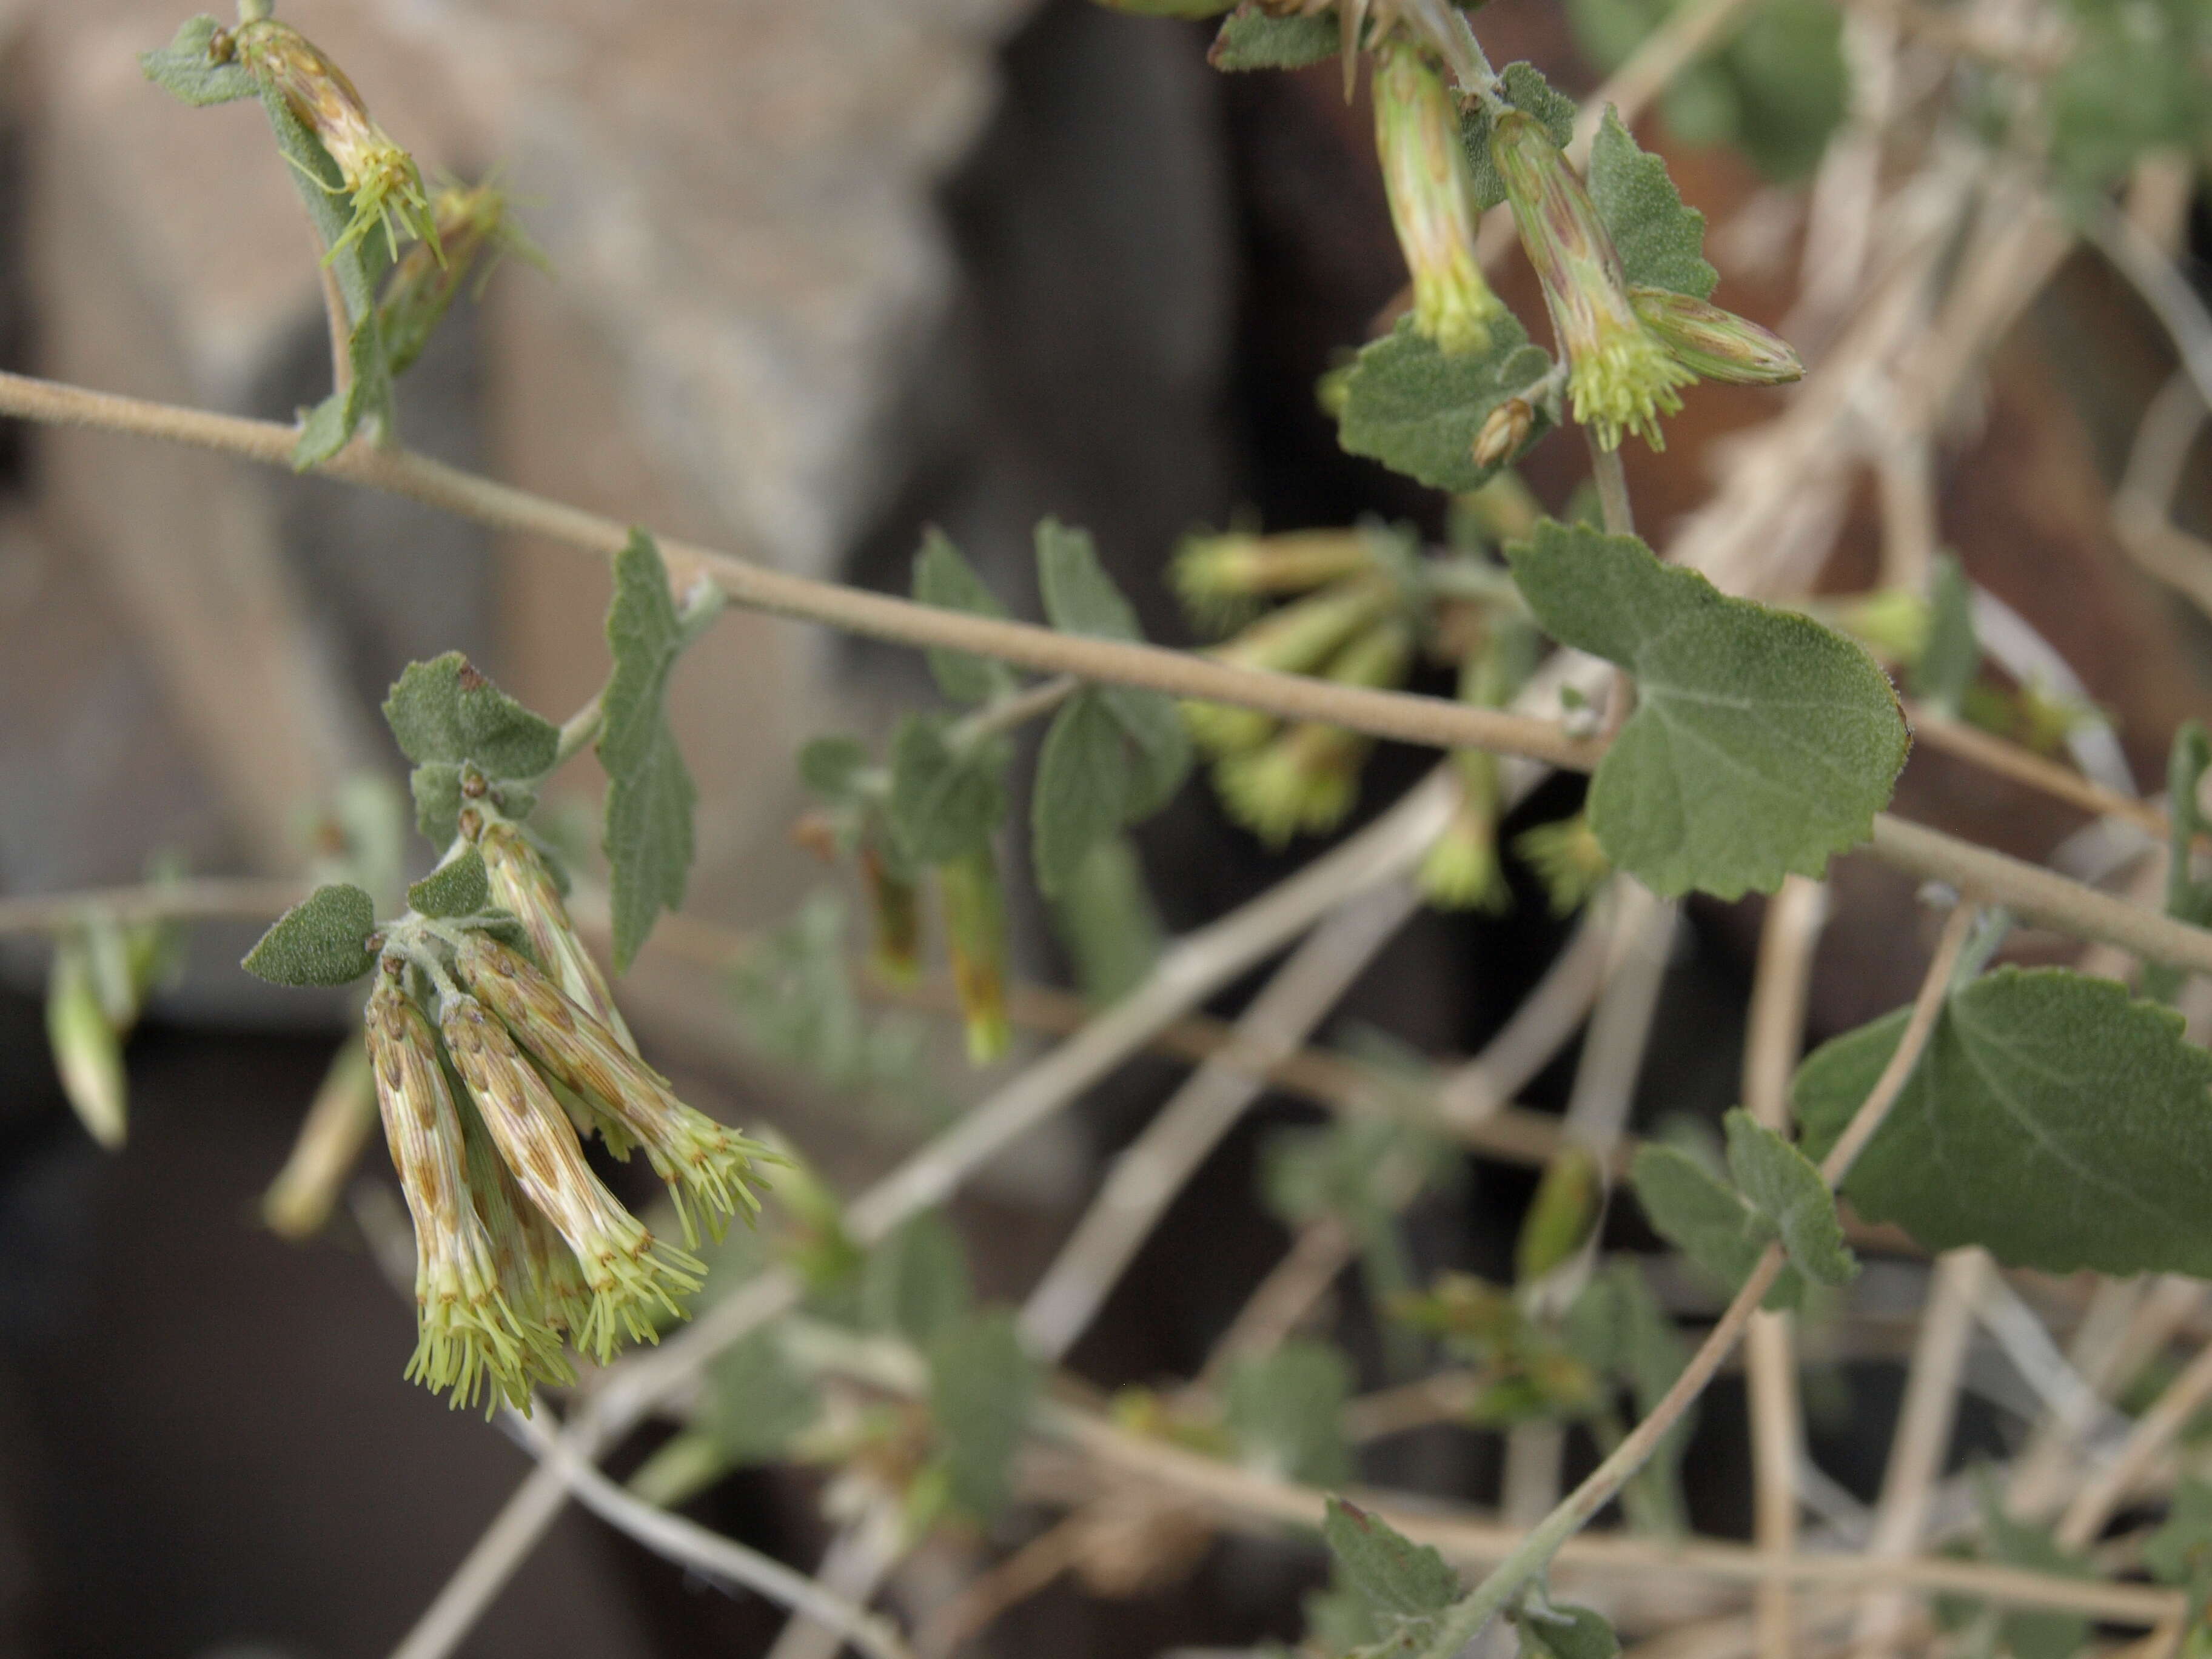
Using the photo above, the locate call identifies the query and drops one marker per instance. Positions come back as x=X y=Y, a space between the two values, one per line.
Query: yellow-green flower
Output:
x=1431 y=195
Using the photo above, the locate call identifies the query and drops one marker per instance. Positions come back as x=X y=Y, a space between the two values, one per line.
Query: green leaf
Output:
x=1527 y=91
x=2052 y=1119
x=1709 y=1221
x=1285 y=1410
x=1617 y=1328
x=1791 y=85
x=330 y=425
x=760 y=1402
x=1661 y=242
x=458 y=887
x=1952 y=657
x=831 y=767
x=1564 y=1632
x=1081 y=791
x=1106 y=918
x=945 y=578
x=944 y=803
x=186 y=70
x=2034 y=1549
x=321 y=940
x=648 y=830
x=981 y=1383
x=915 y=1284
x=1418 y=410
x=1762 y=743
x=1780 y=1182
x=2181 y=1551
x=2133 y=82
x=1250 y=39
x=436 y=786
x=1406 y=1585
x=444 y=710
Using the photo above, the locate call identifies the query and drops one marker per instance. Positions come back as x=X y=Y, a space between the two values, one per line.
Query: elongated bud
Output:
x=428 y=277
x=382 y=179
x=629 y=1272
x=1567 y=859
x=1561 y=1215
x=1619 y=377
x=1306 y=780
x=1298 y=639
x=976 y=937
x=538 y=1273
x=894 y=919
x=1716 y=344
x=1432 y=194
x=1219 y=578
x=331 y=1135
x=1461 y=869
x=1501 y=435
x=88 y=1053
x=704 y=1163
x=521 y=884
x=470 y=1336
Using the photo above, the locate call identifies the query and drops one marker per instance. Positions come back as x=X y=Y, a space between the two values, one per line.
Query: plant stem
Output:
x=579 y=732
x=1612 y=480
x=1466 y=1618
x=1012 y=713
x=207 y=898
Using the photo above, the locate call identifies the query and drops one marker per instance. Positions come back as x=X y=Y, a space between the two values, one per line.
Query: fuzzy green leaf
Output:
x=187 y=70
x=457 y=887
x=444 y=710
x=944 y=578
x=1417 y=409
x=1105 y=917
x=1952 y=656
x=1661 y=242
x=1405 y=1585
x=1081 y=791
x=1080 y=598
x=758 y=1402
x=831 y=767
x=646 y=833
x=321 y=940
x=1250 y=39
x=1284 y=1409
x=1780 y=1182
x=916 y=1284
x=330 y=425
x=1709 y=1221
x=1762 y=743
x=981 y=1383
x=1564 y=1632
x=944 y=803
x=2053 y=1119
x=1527 y=91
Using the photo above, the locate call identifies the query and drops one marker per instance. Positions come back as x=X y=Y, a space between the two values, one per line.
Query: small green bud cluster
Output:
x=1567 y=859
x=1461 y=869
x=1628 y=350
x=518 y=1245
x=382 y=179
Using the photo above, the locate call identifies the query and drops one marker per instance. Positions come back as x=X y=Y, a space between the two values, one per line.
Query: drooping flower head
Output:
x=1431 y=195
x=704 y=1163
x=1716 y=344
x=381 y=179
x=1620 y=375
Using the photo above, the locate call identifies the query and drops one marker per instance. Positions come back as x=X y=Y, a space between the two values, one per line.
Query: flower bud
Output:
x=468 y=1333
x=331 y=1135
x=521 y=884
x=538 y=1273
x=87 y=1053
x=1569 y=1200
x=630 y=1273
x=1307 y=779
x=429 y=275
x=1716 y=344
x=894 y=919
x=976 y=937
x=1501 y=435
x=704 y=1163
x=1218 y=576
x=1618 y=375
x=1432 y=195
x=1298 y=639
x=1461 y=869
x=1567 y=859
x=382 y=178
